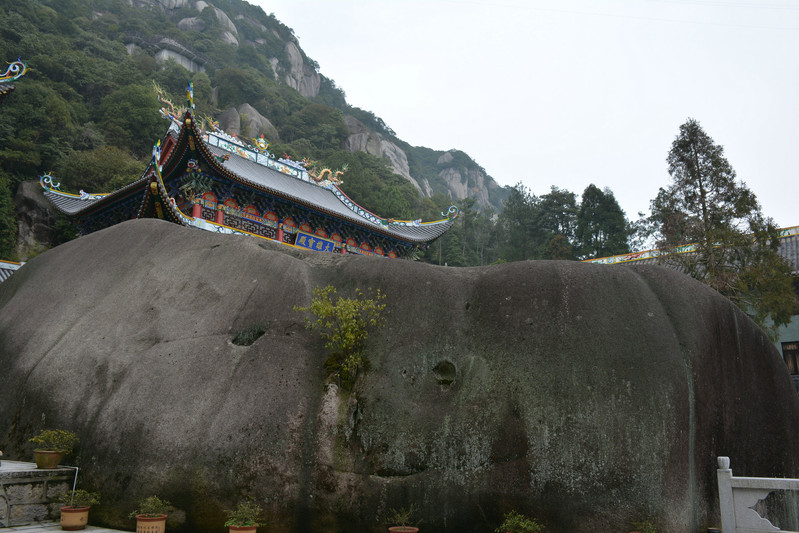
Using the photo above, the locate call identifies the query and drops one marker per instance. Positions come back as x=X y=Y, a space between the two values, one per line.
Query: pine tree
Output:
x=735 y=244
x=602 y=228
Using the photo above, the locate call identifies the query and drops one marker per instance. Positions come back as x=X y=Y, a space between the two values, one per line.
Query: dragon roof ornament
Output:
x=15 y=70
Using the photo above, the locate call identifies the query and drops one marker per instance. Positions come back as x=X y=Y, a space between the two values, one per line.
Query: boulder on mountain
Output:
x=588 y=396
x=247 y=122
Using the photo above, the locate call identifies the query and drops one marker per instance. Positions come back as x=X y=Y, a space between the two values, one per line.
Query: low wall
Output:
x=26 y=492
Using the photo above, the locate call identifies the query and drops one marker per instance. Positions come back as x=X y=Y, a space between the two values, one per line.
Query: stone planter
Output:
x=403 y=529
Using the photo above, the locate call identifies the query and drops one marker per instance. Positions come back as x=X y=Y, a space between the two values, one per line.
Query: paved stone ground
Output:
x=43 y=527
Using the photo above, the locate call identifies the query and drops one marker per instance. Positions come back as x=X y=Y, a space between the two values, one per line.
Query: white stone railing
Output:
x=739 y=495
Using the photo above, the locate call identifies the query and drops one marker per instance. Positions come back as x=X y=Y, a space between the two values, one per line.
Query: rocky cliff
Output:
x=300 y=73
x=295 y=71
x=587 y=396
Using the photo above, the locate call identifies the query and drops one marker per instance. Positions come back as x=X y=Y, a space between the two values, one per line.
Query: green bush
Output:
x=518 y=523
x=79 y=498
x=344 y=324
x=151 y=507
x=58 y=440
x=403 y=517
x=246 y=513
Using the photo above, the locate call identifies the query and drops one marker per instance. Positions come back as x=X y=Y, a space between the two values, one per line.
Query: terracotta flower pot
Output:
x=74 y=518
x=150 y=524
x=47 y=458
x=243 y=529
x=403 y=529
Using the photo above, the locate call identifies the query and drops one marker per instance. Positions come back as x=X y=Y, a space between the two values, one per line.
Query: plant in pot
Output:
x=518 y=523
x=75 y=512
x=645 y=526
x=403 y=518
x=244 y=517
x=151 y=515
x=51 y=447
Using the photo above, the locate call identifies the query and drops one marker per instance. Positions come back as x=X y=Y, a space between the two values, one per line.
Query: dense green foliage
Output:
x=78 y=498
x=58 y=440
x=344 y=323
x=151 y=507
x=246 y=514
x=550 y=226
x=736 y=245
x=602 y=229
x=518 y=523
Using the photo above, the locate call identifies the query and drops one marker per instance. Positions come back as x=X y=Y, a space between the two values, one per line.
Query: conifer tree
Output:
x=602 y=228
x=735 y=244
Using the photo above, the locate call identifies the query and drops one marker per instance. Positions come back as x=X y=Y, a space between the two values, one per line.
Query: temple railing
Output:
x=739 y=496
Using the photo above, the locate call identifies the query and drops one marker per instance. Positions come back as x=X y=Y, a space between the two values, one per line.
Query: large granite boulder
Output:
x=588 y=396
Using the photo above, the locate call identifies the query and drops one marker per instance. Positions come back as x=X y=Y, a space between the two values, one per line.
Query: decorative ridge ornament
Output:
x=327 y=175
x=16 y=70
x=46 y=181
x=157 y=155
x=451 y=213
x=190 y=96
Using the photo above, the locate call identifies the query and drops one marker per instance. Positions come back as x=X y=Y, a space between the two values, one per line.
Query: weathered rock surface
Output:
x=470 y=183
x=247 y=122
x=589 y=396
x=362 y=139
x=300 y=76
x=36 y=220
x=191 y=24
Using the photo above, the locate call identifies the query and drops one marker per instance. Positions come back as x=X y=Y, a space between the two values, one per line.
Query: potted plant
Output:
x=518 y=523
x=51 y=446
x=403 y=520
x=151 y=515
x=75 y=512
x=244 y=517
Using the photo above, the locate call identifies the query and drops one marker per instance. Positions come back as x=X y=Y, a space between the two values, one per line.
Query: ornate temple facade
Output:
x=216 y=182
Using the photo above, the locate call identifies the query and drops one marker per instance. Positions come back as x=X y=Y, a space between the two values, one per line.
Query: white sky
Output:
x=572 y=92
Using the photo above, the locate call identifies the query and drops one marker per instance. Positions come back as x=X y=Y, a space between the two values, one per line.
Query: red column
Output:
x=197 y=210
x=220 y=214
x=280 y=232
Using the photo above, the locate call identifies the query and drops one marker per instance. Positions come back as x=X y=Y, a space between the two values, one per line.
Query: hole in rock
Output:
x=445 y=372
x=249 y=335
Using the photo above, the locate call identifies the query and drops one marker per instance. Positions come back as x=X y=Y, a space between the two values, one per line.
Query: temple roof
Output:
x=292 y=183
x=325 y=199
x=7 y=268
x=74 y=204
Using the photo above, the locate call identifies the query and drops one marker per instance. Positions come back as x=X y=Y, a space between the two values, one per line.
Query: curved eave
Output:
x=74 y=205
x=309 y=195
x=157 y=202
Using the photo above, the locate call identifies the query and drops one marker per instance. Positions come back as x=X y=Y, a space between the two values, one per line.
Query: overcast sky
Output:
x=572 y=92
